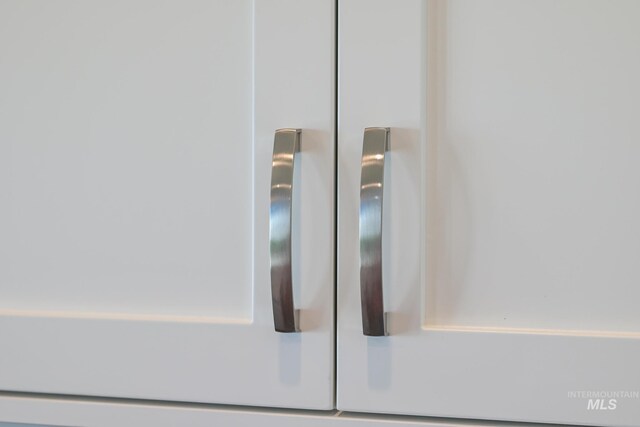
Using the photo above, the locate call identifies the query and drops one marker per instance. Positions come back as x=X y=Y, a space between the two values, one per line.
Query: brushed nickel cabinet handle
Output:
x=285 y=146
x=374 y=147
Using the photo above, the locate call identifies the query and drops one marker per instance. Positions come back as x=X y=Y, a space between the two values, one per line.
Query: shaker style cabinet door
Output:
x=136 y=147
x=499 y=231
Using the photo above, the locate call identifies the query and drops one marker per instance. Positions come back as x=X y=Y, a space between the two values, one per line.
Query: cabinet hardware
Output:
x=285 y=146
x=374 y=147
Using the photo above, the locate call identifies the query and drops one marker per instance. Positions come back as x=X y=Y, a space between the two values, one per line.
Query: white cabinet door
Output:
x=135 y=160
x=511 y=231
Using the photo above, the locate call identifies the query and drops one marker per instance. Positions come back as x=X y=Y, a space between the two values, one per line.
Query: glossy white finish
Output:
x=511 y=240
x=135 y=157
x=87 y=413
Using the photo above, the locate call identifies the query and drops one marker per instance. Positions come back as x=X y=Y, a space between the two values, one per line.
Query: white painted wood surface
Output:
x=511 y=240
x=87 y=413
x=135 y=160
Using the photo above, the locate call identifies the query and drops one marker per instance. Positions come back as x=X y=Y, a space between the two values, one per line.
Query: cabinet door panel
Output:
x=510 y=239
x=135 y=160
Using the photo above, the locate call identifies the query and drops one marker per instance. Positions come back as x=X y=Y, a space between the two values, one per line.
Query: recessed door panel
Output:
x=127 y=158
x=534 y=179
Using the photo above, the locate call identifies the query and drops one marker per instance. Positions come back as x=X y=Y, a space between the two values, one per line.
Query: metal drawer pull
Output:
x=285 y=145
x=374 y=147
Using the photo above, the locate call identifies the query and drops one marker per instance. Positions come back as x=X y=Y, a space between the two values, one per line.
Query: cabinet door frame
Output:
x=515 y=374
x=218 y=359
